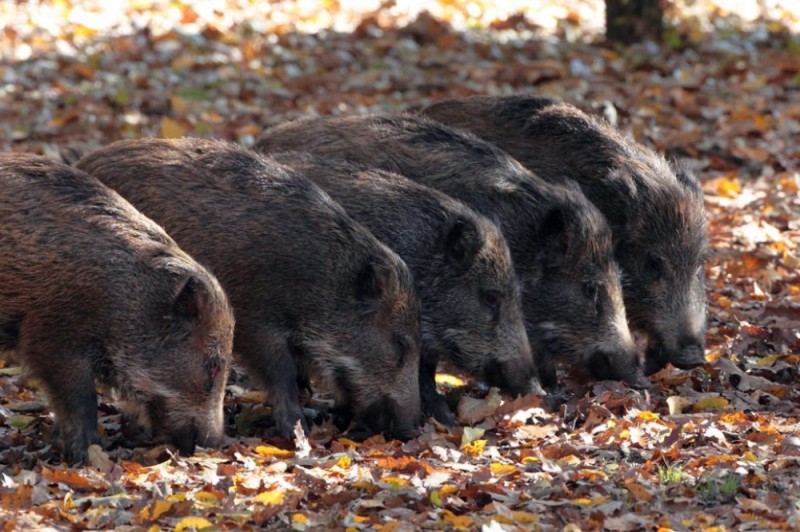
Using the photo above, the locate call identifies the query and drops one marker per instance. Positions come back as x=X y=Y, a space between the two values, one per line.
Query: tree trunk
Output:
x=629 y=21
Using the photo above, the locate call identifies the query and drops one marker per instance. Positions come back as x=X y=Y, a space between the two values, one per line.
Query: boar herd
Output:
x=498 y=235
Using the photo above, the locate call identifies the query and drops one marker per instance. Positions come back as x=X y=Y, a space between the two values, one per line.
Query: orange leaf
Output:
x=458 y=522
x=69 y=477
x=474 y=448
x=638 y=491
x=646 y=415
x=728 y=188
x=269 y=450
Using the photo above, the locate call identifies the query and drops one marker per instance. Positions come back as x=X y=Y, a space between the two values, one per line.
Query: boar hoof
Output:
x=75 y=448
x=285 y=427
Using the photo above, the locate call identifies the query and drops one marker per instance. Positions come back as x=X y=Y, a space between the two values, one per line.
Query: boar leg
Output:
x=547 y=370
x=433 y=403
x=269 y=358
x=69 y=384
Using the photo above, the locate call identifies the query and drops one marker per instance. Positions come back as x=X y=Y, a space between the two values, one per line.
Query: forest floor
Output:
x=715 y=448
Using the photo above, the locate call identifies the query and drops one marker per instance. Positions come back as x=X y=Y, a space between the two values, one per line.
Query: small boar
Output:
x=560 y=244
x=313 y=291
x=655 y=210
x=471 y=310
x=92 y=290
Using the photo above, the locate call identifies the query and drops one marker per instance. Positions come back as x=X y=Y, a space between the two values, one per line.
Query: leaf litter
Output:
x=713 y=448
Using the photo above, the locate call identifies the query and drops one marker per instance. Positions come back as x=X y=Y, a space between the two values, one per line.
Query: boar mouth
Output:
x=689 y=357
x=382 y=416
x=184 y=439
x=501 y=375
x=607 y=366
x=689 y=353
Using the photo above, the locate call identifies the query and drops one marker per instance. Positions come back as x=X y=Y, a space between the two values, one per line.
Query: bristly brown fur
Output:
x=655 y=209
x=471 y=310
x=312 y=289
x=90 y=289
x=560 y=244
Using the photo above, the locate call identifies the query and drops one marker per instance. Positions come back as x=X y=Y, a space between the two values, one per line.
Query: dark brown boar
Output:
x=655 y=210
x=471 y=314
x=90 y=289
x=313 y=291
x=560 y=244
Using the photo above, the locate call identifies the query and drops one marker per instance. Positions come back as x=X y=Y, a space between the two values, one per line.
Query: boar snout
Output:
x=185 y=439
x=390 y=418
x=512 y=378
x=691 y=355
x=607 y=365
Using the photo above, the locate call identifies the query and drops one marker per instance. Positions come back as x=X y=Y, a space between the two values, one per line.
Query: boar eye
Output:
x=402 y=345
x=213 y=369
x=592 y=292
x=491 y=299
x=654 y=267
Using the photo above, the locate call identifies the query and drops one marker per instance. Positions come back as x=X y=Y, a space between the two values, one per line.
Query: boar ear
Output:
x=554 y=238
x=370 y=283
x=188 y=301
x=686 y=178
x=462 y=243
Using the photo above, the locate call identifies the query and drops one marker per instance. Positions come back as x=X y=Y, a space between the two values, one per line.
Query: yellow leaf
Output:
x=448 y=489
x=646 y=415
x=170 y=129
x=749 y=456
x=525 y=518
x=269 y=450
x=176 y=497
x=435 y=500
x=530 y=460
x=159 y=509
x=502 y=469
x=474 y=448
x=728 y=188
x=344 y=462
x=395 y=481
x=710 y=403
x=449 y=380
x=570 y=459
x=300 y=519
x=344 y=442
x=198 y=523
x=360 y=519
x=458 y=522
x=503 y=519
x=272 y=497
x=768 y=360
x=205 y=499
x=733 y=418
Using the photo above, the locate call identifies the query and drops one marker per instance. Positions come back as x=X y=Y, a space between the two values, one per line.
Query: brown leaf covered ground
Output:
x=715 y=448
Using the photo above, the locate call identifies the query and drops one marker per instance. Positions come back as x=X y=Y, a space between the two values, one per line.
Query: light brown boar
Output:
x=93 y=291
